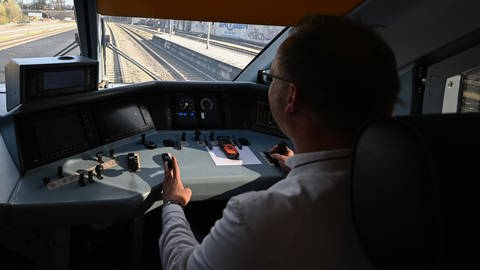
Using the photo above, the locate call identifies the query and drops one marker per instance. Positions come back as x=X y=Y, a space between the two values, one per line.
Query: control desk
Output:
x=97 y=157
x=53 y=192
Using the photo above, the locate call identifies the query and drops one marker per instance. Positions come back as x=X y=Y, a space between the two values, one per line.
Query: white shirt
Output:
x=302 y=222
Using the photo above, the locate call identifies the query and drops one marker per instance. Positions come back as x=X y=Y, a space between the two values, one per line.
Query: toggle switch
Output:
x=150 y=145
x=99 y=171
x=81 y=180
x=197 y=135
x=99 y=156
x=90 y=176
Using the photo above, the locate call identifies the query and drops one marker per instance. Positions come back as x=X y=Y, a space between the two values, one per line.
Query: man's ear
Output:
x=292 y=99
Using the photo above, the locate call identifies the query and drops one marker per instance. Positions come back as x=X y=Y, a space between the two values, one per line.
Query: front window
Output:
x=36 y=29
x=141 y=49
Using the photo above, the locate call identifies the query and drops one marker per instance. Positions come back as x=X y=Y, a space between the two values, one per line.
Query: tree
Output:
x=3 y=14
x=13 y=10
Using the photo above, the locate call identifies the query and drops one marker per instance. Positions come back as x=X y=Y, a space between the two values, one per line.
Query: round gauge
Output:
x=206 y=104
x=186 y=104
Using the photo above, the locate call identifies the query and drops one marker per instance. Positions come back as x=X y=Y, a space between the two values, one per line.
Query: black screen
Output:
x=60 y=133
x=63 y=79
x=123 y=121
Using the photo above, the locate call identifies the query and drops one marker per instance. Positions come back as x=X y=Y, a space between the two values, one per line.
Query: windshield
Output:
x=36 y=29
x=141 y=49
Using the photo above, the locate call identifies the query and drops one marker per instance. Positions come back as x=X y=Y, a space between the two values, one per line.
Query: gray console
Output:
x=121 y=193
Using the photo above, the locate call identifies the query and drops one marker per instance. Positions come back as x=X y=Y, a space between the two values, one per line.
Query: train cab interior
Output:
x=92 y=93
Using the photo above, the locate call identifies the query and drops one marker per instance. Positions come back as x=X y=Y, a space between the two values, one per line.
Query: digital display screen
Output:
x=123 y=121
x=63 y=79
x=59 y=133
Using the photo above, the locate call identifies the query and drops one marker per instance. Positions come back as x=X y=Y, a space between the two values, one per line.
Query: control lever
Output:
x=99 y=156
x=99 y=171
x=149 y=145
x=282 y=149
x=111 y=154
x=207 y=142
x=197 y=135
x=81 y=179
x=178 y=144
x=184 y=136
x=239 y=145
x=212 y=136
x=90 y=176
x=167 y=157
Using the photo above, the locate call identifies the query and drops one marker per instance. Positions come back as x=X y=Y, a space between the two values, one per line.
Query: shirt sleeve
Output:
x=227 y=246
x=177 y=241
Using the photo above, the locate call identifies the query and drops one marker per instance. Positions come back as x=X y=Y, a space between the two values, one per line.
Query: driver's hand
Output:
x=281 y=158
x=173 y=188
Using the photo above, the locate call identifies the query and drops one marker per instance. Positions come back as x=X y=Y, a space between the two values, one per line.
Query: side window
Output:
x=36 y=29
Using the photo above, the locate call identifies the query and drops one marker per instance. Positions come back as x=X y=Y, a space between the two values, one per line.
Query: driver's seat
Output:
x=416 y=191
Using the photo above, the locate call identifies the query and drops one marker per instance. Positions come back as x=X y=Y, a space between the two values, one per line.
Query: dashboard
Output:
x=97 y=157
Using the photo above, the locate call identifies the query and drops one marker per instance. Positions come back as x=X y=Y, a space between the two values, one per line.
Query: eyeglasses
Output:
x=267 y=76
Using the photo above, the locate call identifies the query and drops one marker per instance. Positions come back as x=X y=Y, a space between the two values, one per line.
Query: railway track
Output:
x=117 y=72
x=241 y=47
x=178 y=68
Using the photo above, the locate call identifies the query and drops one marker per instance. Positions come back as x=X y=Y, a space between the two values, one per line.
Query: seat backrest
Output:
x=415 y=191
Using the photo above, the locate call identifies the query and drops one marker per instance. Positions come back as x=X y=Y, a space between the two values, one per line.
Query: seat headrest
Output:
x=415 y=191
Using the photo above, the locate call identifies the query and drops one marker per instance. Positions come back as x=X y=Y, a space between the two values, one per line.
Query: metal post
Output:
x=208 y=34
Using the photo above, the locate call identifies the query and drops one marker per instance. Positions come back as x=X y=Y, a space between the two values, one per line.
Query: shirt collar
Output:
x=311 y=157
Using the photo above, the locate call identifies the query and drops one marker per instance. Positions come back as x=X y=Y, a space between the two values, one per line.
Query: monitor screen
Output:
x=122 y=121
x=60 y=133
x=63 y=79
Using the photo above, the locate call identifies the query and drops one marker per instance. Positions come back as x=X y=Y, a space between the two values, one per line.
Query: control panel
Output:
x=126 y=172
x=100 y=158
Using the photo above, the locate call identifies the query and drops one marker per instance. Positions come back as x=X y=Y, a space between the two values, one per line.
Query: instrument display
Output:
x=185 y=113
x=119 y=121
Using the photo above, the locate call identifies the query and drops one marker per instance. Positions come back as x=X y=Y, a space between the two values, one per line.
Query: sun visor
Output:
x=266 y=12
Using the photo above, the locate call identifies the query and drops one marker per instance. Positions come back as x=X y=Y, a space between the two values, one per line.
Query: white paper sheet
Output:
x=247 y=157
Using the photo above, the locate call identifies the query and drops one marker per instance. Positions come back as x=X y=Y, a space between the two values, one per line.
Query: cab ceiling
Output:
x=268 y=12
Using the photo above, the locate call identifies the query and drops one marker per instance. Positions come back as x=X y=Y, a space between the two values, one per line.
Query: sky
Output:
x=67 y=2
